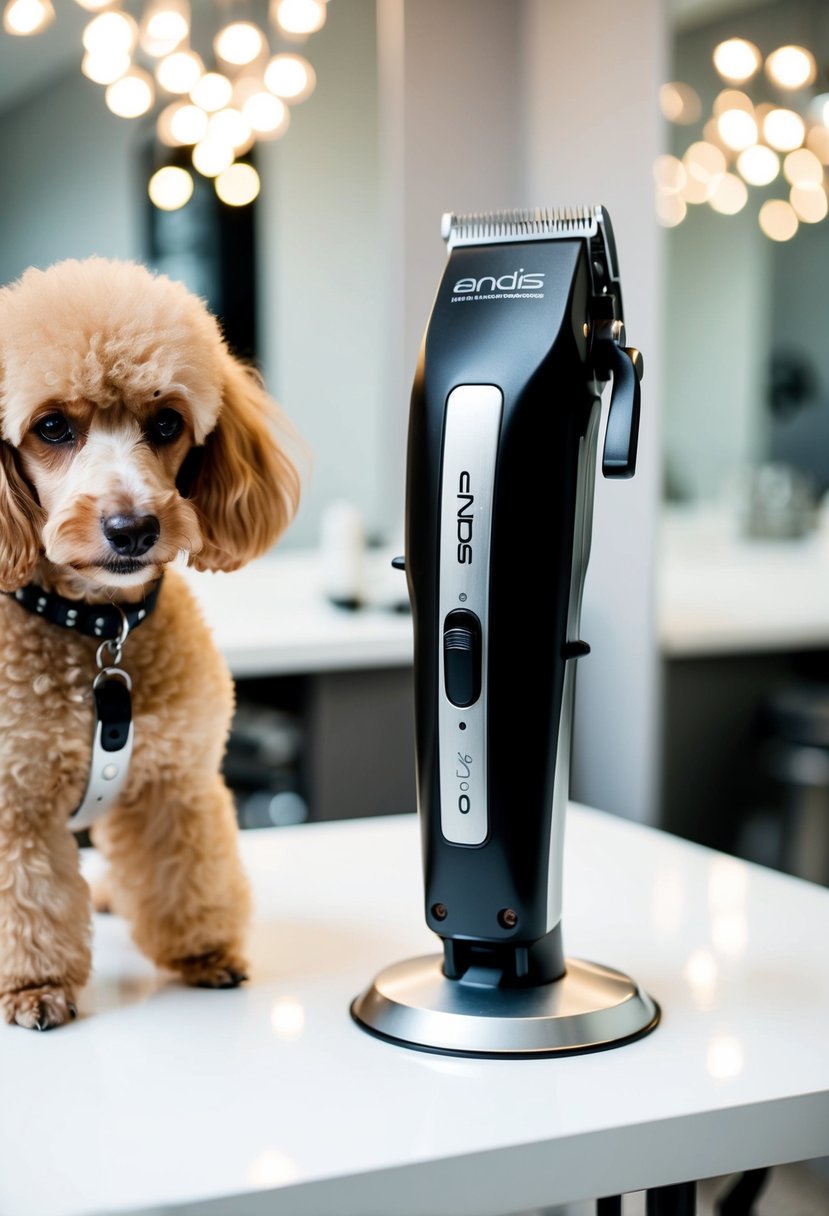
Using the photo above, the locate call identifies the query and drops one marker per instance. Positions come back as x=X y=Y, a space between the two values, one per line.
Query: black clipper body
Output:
x=525 y=331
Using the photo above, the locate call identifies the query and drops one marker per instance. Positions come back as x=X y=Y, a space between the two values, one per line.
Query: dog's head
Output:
x=128 y=432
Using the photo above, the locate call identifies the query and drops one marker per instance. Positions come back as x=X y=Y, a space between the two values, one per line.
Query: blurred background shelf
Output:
x=324 y=727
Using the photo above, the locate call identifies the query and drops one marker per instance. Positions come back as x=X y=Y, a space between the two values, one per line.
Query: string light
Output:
x=132 y=95
x=170 y=188
x=680 y=103
x=744 y=142
x=238 y=186
x=110 y=33
x=778 y=219
x=758 y=165
x=140 y=52
x=290 y=77
x=25 y=17
x=791 y=67
x=239 y=43
x=737 y=60
x=104 y=69
x=212 y=92
x=300 y=17
x=164 y=26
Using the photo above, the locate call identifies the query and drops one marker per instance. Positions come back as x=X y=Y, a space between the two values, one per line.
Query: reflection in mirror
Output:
x=744 y=569
x=742 y=194
x=294 y=276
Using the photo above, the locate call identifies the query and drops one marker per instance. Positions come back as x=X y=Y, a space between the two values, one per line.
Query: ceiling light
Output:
x=679 y=103
x=736 y=59
x=669 y=173
x=758 y=165
x=132 y=95
x=729 y=194
x=778 y=220
x=268 y=115
x=104 y=69
x=212 y=92
x=809 y=202
x=671 y=208
x=703 y=161
x=290 y=77
x=122 y=39
x=25 y=17
x=802 y=168
x=732 y=99
x=211 y=157
x=186 y=124
x=817 y=141
x=229 y=126
x=784 y=130
x=164 y=26
x=179 y=72
x=737 y=129
x=239 y=43
x=791 y=67
x=298 y=16
x=110 y=33
x=238 y=186
x=170 y=188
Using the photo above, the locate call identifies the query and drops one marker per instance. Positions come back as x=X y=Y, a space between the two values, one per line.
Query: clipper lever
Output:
x=624 y=363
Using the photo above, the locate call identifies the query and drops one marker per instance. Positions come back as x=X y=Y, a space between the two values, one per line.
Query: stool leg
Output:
x=739 y=1200
x=677 y=1200
x=611 y=1205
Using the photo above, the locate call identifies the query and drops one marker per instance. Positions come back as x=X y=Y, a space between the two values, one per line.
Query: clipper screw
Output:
x=440 y=911
x=507 y=918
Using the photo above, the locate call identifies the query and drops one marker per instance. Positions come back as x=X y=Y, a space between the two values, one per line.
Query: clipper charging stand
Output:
x=525 y=333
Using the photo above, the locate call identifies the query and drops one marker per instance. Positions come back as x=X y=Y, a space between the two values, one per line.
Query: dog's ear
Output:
x=243 y=484
x=21 y=519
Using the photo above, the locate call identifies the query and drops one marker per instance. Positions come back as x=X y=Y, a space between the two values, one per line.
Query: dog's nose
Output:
x=131 y=535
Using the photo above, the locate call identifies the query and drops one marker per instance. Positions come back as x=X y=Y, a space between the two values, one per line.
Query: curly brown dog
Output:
x=129 y=437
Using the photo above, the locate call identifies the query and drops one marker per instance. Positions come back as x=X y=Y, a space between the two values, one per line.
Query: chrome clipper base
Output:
x=590 y=1008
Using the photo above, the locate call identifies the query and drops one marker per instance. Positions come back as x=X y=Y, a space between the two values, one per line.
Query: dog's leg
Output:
x=45 y=924
x=176 y=874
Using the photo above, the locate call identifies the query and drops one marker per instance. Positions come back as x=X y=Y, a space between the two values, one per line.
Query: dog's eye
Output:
x=54 y=428
x=166 y=426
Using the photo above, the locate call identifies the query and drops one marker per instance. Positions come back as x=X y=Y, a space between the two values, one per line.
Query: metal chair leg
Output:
x=611 y=1205
x=739 y=1200
x=677 y=1200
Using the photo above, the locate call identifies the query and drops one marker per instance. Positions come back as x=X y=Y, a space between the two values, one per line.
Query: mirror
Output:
x=296 y=276
x=748 y=381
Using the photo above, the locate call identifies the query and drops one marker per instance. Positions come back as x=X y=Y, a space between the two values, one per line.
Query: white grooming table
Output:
x=269 y=1099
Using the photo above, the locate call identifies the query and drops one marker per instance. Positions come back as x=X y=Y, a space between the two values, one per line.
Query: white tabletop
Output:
x=161 y=1097
x=273 y=618
x=720 y=592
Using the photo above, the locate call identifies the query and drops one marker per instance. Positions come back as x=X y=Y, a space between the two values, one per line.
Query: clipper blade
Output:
x=542 y=224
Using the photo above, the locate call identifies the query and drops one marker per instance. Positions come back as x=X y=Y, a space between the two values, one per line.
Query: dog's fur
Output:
x=108 y=345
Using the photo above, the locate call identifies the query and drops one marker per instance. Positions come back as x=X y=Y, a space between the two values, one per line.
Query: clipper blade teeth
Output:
x=540 y=224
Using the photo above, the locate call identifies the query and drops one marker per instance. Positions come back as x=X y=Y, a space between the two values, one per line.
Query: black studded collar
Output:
x=103 y=621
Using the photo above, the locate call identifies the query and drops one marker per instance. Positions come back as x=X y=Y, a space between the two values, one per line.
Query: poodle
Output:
x=129 y=437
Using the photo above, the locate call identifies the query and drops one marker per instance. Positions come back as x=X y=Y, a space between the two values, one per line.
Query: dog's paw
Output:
x=39 y=1008
x=215 y=969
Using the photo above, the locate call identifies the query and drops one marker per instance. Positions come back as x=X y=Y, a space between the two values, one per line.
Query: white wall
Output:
x=451 y=142
x=70 y=187
x=321 y=291
x=591 y=77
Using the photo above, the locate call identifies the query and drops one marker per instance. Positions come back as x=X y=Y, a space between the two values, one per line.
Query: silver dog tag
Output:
x=111 y=746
